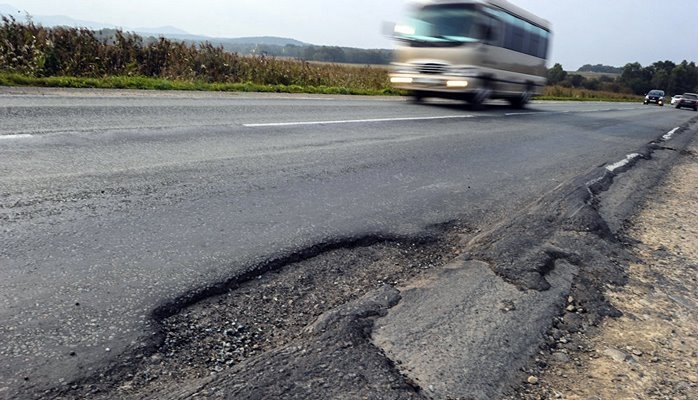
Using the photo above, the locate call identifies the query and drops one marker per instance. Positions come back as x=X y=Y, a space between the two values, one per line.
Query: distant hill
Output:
x=254 y=40
x=51 y=20
x=163 y=30
x=169 y=32
x=267 y=40
x=601 y=69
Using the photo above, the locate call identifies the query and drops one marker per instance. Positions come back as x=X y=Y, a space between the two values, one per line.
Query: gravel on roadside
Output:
x=651 y=351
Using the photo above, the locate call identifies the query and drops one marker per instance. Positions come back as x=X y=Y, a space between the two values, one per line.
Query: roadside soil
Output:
x=651 y=351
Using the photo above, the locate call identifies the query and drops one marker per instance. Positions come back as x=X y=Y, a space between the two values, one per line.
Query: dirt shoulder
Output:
x=651 y=351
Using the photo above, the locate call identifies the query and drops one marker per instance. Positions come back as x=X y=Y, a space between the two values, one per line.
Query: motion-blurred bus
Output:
x=473 y=50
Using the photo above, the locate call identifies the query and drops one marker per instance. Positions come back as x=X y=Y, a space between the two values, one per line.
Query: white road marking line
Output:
x=355 y=121
x=514 y=114
x=670 y=134
x=20 y=136
x=622 y=163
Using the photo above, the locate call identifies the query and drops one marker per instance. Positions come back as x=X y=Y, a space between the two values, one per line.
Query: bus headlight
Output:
x=400 y=79
x=457 y=83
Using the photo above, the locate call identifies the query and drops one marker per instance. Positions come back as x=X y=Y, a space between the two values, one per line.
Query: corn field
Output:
x=35 y=51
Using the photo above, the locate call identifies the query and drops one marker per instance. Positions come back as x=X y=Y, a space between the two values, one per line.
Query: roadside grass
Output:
x=561 y=93
x=146 y=83
x=69 y=57
x=555 y=93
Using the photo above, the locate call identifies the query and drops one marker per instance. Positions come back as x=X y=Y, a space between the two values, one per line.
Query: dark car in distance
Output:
x=655 y=96
x=688 y=100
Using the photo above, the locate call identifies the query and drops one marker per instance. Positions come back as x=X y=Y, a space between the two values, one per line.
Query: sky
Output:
x=608 y=32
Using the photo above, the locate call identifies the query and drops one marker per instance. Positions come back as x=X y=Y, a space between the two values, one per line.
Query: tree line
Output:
x=632 y=78
x=334 y=54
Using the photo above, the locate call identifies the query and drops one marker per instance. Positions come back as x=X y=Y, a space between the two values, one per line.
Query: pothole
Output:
x=269 y=311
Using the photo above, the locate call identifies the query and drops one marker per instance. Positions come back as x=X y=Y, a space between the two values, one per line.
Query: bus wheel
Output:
x=478 y=100
x=417 y=97
x=523 y=99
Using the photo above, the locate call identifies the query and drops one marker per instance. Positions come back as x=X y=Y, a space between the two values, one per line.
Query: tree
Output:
x=661 y=75
x=576 y=80
x=684 y=77
x=637 y=78
x=599 y=68
x=662 y=80
x=556 y=74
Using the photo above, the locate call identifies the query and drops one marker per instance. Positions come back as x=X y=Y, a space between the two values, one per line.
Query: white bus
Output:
x=473 y=50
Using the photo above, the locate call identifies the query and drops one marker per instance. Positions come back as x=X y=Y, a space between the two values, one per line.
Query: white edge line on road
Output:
x=514 y=114
x=670 y=134
x=20 y=136
x=354 y=121
x=623 y=163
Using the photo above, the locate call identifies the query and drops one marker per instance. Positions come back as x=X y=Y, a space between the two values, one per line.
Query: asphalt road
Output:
x=113 y=203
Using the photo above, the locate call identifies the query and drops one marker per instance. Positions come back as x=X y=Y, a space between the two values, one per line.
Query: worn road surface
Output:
x=212 y=245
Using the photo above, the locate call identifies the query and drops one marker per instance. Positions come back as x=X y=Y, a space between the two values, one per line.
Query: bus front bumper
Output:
x=439 y=83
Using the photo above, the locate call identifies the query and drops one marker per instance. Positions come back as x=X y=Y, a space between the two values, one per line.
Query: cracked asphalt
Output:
x=435 y=307
x=441 y=322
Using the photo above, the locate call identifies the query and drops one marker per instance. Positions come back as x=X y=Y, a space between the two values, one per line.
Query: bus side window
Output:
x=484 y=32
x=490 y=30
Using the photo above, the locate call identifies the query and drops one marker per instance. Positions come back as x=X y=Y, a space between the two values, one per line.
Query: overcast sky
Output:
x=610 y=32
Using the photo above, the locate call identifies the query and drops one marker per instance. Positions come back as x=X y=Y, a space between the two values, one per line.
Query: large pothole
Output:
x=267 y=312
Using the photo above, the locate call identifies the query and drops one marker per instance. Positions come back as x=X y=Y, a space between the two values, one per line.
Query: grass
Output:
x=146 y=83
x=561 y=93
x=557 y=93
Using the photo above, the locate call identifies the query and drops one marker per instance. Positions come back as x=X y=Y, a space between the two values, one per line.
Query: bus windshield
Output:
x=449 y=23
